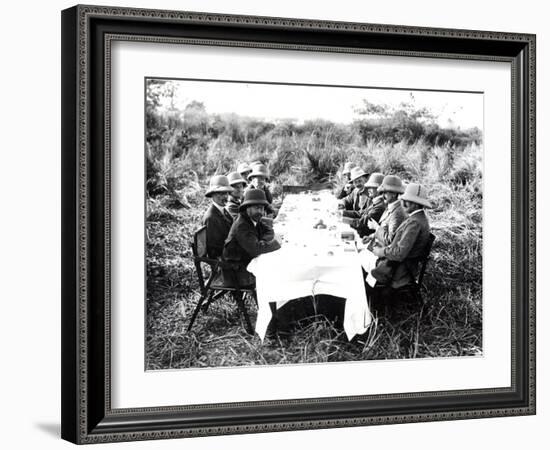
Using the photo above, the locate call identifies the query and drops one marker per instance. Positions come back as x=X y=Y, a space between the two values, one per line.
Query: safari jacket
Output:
x=246 y=241
x=391 y=218
x=218 y=225
x=407 y=246
x=374 y=211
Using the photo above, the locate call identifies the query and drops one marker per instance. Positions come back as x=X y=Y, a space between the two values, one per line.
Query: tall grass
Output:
x=449 y=324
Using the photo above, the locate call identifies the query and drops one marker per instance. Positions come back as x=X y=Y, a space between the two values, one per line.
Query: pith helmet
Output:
x=253 y=197
x=347 y=168
x=391 y=183
x=357 y=172
x=258 y=170
x=243 y=168
x=375 y=180
x=235 y=178
x=415 y=193
x=218 y=183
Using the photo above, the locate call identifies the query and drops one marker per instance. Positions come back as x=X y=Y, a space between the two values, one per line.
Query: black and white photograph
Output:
x=275 y=225
x=297 y=224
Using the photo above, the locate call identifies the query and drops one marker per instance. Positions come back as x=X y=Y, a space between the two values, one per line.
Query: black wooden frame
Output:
x=87 y=31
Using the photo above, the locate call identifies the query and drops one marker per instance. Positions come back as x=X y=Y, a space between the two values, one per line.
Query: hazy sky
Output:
x=337 y=104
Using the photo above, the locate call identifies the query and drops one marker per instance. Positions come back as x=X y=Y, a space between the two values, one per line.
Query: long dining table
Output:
x=319 y=255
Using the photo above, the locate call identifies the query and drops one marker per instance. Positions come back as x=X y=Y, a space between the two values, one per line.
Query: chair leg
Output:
x=211 y=300
x=197 y=309
x=418 y=297
x=238 y=296
x=273 y=324
x=421 y=298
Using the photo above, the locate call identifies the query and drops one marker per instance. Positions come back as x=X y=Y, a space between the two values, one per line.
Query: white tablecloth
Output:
x=312 y=261
x=368 y=261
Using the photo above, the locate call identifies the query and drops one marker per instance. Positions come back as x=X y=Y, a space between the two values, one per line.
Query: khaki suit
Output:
x=408 y=244
x=393 y=216
x=374 y=210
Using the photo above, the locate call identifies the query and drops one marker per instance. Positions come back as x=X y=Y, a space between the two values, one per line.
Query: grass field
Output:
x=448 y=324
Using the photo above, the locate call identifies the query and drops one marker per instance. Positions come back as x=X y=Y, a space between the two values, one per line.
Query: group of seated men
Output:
x=390 y=218
x=238 y=227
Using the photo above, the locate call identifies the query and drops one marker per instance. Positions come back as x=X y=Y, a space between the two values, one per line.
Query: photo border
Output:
x=87 y=34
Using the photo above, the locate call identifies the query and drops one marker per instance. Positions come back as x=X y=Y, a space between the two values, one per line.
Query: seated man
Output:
x=355 y=202
x=401 y=256
x=250 y=235
x=236 y=196
x=217 y=220
x=375 y=206
x=392 y=217
x=258 y=180
x=347 y=188
x=244 y=169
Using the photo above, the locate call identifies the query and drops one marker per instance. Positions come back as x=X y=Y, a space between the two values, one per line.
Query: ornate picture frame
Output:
x=88 y=33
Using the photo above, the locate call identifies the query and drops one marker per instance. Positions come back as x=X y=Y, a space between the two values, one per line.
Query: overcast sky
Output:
x=337 y=104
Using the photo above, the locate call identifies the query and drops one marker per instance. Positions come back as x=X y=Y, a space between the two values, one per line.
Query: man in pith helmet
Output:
x=393 y=216
x=355 y=202
x=238 y=184
x=347 y=188
x=217 y=220
x=250 y=235
x=410 y=239
x=244 y=169
x=258 y=178
x=375 y=206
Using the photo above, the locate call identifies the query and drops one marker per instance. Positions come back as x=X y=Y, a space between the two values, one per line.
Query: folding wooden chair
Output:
x=217 y=284
x=384 y=296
